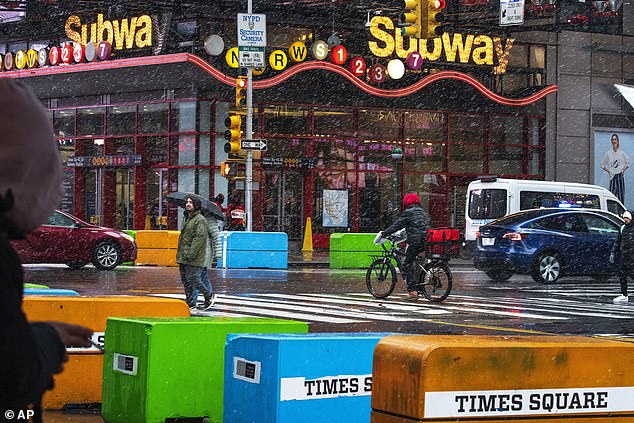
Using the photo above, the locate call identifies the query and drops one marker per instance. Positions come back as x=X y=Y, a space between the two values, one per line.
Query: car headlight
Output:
x=126 y=236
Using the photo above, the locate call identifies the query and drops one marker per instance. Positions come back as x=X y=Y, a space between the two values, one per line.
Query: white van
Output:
x=490 y=198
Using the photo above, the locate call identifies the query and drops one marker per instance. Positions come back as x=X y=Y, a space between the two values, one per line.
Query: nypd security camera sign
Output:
x=251 y=30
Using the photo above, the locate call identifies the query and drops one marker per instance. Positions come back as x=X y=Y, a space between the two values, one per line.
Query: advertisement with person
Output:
x=613 y=152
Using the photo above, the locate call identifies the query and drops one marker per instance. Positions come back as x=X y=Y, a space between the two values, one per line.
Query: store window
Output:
x=424 y=125
x=121 y=120
x=466 y=128
x=90 y=121
x=90 y=147
x=335 y=153
x=375 y=155
x=334 y=122
x=122 y=146
x=424 y=157
x=380 y=124
x=506 y=160
x=287 y=120
x=183 y=117
x=507 y=130
x=153 y=118
x=378 y=201
x=64 y=123
x=466 y=158
x=155 y=151
x=286 y=148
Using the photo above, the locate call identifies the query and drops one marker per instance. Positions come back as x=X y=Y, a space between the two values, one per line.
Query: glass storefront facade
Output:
x=310 y=149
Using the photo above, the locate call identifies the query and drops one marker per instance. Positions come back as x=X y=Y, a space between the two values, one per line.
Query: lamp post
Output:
x=397 y=155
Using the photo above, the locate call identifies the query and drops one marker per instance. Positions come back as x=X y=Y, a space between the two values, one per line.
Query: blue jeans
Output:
x=204 y=278
x=190 y=277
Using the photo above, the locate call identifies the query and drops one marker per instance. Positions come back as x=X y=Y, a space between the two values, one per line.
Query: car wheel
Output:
x=76 y=265
x=107 y=255
x=547 y=268
x=499 y=275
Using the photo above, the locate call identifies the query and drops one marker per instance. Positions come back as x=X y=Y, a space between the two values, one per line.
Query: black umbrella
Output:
x=208 y=208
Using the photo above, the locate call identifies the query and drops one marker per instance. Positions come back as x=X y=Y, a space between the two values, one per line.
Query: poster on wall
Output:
x=609 y=161
x=335 y=208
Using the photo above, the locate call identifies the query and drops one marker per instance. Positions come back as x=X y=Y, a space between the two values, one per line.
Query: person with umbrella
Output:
x=191 y=254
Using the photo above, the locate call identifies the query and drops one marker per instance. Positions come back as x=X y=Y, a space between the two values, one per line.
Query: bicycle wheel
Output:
x=435 y=281
x=381 y=278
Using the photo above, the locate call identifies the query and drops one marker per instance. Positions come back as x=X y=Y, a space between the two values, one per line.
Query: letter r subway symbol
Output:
x=279 y=59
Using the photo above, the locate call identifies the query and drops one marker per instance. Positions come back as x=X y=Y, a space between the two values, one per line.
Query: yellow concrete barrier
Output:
x=157 y=239
x=156 y=257
x=483 y=379
x=80 y=383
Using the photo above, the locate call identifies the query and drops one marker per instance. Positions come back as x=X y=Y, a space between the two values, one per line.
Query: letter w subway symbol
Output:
x=298 y=52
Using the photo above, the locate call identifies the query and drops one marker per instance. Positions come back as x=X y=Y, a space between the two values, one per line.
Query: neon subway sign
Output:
x=480 y=50
x=92 y=42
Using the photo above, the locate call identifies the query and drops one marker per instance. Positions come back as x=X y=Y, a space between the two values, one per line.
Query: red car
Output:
x=69 y=240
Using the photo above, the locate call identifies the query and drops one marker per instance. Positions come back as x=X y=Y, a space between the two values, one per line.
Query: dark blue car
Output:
x=548 y=244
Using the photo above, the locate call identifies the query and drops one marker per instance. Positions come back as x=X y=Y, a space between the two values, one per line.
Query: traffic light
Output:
x=411 y=18
x=233 y=133
x=241 y=92
x=229 y=169
x=435 y=17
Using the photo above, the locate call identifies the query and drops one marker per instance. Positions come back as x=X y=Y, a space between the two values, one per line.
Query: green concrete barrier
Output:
x=157 y=369
x=132 y=233
x=352 y=250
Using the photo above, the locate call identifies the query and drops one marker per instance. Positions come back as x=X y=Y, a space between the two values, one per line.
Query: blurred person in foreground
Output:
x=30 y=189
x=623 y=253
x=415 y=221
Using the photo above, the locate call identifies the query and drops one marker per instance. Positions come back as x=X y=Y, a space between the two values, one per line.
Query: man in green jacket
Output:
x=191 y=254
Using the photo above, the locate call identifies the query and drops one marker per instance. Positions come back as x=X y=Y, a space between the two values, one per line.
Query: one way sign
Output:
x=253 y=145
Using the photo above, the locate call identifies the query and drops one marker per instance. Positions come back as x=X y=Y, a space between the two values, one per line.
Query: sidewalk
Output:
x=321 y=259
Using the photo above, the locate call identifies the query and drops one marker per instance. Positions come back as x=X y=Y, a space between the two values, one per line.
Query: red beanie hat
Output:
x=410 y=199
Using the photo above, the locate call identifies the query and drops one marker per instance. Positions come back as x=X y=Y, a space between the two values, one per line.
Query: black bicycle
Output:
x=434 y=275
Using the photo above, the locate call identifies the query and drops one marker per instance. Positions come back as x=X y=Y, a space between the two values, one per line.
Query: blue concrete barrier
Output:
x=284 y=378
x=267 y=250
x=48 y=291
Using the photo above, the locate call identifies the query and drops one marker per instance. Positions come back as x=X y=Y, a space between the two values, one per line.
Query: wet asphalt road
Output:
x=579 y=306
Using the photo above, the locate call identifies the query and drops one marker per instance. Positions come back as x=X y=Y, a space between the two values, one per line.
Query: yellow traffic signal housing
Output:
x=233 y=133
x=229 y=169
x=241 y=92
x=411 y=20
x=435 y=17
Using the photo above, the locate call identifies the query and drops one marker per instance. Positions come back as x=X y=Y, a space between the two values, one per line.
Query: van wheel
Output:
x=499 y=275
x=547 y=269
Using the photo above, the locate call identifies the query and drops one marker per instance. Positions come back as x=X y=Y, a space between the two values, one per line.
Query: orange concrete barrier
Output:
x=157 y=239
x=80 y=383
x=483 y=379
x=156 y=248
x=156 y=257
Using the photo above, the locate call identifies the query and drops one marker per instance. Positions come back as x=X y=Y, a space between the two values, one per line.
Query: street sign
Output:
x=251 y=57
x=251 y=30
x=253 y=145
x=511 y=12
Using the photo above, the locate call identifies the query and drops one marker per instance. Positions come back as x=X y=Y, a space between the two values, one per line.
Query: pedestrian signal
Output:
x=411 y=18
x=229 y=169
x=435 y=17
x=233 y=133
x=241 y=90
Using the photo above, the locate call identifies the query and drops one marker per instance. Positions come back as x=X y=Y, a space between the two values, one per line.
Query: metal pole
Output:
x=249 y=136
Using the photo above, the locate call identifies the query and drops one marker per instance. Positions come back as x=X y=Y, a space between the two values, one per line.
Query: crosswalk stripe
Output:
x=545 y=310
